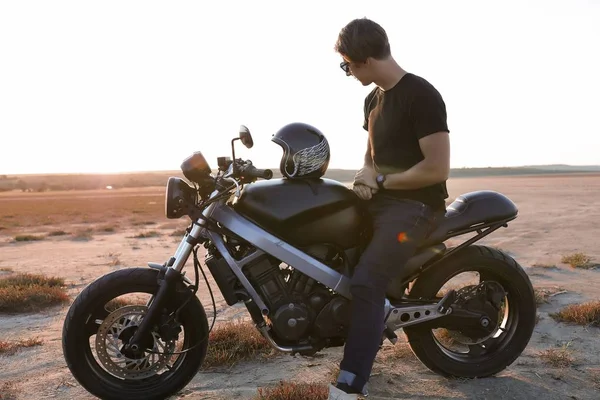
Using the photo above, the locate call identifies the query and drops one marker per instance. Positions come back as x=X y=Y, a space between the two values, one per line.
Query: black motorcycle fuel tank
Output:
x=304 y=211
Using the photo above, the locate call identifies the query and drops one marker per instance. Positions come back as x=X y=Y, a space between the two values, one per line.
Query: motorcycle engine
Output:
x=290 y=318
x=300 y=306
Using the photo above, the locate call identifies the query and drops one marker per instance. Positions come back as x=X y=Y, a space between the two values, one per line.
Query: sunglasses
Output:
x=345 y=66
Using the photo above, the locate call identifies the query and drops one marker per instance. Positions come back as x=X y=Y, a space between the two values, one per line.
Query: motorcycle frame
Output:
x=220 y=215
x=267 y=243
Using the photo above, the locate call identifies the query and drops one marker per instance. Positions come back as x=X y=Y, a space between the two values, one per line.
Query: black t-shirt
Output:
x=396 y=119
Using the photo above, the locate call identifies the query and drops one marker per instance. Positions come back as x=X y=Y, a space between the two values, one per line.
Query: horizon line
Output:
x=592 y=168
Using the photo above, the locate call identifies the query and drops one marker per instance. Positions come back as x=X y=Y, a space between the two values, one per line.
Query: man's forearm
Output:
x=368 y=157
x=420 y=175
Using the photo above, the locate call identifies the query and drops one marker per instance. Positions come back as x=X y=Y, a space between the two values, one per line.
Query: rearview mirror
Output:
x=246 y=137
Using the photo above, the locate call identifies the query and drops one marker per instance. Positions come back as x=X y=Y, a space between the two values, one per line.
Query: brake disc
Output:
x=109 y=345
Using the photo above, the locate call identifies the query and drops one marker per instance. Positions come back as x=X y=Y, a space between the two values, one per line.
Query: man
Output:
x=403 y=182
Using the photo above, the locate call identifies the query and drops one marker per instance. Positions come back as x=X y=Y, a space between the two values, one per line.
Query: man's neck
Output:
x=390 y=74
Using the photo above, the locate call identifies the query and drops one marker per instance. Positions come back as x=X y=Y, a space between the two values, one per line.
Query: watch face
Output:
x=380 y=178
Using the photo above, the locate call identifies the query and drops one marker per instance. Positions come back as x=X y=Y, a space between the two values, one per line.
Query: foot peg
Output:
x=390 y=335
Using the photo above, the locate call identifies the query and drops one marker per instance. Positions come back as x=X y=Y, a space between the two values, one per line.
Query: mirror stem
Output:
x=233 y=155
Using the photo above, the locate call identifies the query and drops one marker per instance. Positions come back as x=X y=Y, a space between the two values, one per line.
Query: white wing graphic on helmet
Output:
x=310 y=159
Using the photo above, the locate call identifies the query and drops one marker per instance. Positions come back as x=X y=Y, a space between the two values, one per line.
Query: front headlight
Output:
x=178 y=196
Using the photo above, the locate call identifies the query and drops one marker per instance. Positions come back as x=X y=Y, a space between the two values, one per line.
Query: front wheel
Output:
x=104 y=317
x=460 y=353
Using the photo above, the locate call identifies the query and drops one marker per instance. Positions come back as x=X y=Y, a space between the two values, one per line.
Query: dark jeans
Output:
x=398 y=228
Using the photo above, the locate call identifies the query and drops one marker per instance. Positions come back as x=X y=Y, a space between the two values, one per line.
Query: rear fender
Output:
x=412 y=268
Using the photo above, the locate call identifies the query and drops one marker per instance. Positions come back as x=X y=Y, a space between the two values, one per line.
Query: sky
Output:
x=118 y=86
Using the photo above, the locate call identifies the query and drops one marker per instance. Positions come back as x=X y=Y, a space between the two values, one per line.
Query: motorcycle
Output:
x=286 y=248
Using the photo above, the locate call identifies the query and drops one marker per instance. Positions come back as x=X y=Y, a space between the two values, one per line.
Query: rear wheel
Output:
x=460 y=353
x=99 y=322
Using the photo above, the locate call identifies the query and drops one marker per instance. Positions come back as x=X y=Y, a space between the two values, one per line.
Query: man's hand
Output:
x=366 y=176
x=365 y=185
x=364 y=192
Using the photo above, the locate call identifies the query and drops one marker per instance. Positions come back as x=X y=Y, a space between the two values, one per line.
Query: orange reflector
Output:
x=402 y=237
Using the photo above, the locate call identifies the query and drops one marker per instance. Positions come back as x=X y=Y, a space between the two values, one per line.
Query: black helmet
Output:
x=305 y=151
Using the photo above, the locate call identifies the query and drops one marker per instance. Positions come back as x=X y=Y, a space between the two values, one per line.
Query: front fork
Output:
x=167 y=285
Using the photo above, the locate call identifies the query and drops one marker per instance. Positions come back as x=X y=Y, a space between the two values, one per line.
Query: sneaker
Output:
x=339 y=394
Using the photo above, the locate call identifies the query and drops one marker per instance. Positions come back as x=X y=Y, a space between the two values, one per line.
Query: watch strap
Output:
x=380 y=180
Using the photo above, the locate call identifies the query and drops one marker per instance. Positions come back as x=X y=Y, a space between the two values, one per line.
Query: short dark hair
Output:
x=362 y=38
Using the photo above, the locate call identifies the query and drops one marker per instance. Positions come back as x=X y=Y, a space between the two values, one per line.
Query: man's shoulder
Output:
x=421 y=86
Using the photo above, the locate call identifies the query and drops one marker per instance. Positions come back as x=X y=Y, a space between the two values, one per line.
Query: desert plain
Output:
x=79 y=235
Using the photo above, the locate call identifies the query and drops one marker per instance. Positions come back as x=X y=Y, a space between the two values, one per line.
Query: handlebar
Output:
x=252 y=172
x=249 y=172
x=237 y=172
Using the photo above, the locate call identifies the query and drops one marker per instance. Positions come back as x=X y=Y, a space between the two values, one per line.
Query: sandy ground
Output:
x=558 y=215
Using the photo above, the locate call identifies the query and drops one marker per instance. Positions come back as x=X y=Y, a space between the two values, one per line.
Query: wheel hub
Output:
x=115 y=332
x=484 y=298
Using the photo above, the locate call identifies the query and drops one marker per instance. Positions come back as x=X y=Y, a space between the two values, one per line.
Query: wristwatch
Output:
x=380 y=179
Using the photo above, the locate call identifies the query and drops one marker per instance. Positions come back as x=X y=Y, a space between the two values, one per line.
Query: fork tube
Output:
x=182 y=255
x=189 y=241
x=185 y=248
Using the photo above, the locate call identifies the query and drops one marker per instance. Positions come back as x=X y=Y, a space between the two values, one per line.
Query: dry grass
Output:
x=115 y=262
x=119 y=302
x=108 y=228
x=540 y=265
x=543 y=294
x=114 y=259
x=178 y=232
x=578 y=260
x=169 y=225
x=142 y=223
x=91 y=207
x=58 y=232
x=458 y=282
x=540 y=297
x=102 y=211
x=9 y=348
x=286 y=390
x=558 y=358
x=115 y=304
x=27 y=280
x=581 y=314
x=595 y=377
x=28 y=238
x=399 y=351
x=83 y=235
x=145 y=235
x=28 y=293
x=334 y=372
x=444 y=337
x=8 y=391
x=234 y=341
